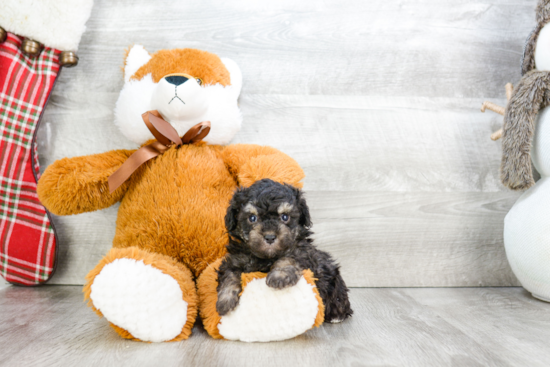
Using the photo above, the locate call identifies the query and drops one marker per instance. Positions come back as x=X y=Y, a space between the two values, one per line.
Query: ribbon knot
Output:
x=166 y=137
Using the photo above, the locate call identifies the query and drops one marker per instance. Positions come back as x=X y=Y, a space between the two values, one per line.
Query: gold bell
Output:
x=3 y=35
x=68 y=59
x=31 y=48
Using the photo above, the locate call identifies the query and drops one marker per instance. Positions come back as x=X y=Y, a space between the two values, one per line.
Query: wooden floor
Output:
x=51 y=326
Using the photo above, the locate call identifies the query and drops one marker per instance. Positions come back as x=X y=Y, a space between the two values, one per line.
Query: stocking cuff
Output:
x=55 y=23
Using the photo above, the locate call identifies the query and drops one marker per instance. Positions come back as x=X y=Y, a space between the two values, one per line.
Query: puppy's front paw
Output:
x=227 y=301
x=283 y=278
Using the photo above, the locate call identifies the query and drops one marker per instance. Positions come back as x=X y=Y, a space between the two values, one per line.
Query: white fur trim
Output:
x=266 y=314
x=137 y=57
x=55 y=23
x=140 y=299
x=542 y=49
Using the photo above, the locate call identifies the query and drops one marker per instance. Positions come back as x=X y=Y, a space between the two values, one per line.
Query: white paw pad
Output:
x=140 y=299
x=266 y=314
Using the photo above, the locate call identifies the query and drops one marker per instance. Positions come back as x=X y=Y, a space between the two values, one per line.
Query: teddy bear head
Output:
x=186 y=86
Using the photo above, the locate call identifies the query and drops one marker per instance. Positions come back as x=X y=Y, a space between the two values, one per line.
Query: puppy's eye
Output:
x=199 y=81
x=284 y=217
x=252 y=218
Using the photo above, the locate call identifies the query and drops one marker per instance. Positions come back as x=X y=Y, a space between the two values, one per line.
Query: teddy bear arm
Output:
x=77 y=185
x=250 y=163
x=518 y=130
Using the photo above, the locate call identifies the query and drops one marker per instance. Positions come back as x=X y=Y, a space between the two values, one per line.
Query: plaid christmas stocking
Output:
x=28 y=241
x=28 y=71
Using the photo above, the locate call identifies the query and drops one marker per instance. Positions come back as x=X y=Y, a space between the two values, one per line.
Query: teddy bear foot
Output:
x=145 y=296
x=263 y=313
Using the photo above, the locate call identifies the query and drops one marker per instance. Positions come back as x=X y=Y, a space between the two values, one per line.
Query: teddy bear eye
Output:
x=284 y=217
x=252 y=218
x=199 y=81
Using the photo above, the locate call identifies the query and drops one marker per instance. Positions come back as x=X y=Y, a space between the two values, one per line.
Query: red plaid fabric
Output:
x=27 y=238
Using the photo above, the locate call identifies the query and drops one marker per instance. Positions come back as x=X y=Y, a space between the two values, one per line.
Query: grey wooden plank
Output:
x=400 y=144
x=385 y=239
x=505 y=320
x=390 y=327
x=392 y=48
x=372 y=98
x=83 y=241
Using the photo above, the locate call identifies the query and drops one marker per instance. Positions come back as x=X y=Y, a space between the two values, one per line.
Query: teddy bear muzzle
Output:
x=179 y=97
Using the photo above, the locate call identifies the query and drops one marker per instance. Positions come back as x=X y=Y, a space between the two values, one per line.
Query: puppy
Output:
x=268 y=225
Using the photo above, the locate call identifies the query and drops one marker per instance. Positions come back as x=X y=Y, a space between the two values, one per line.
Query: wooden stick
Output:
x=492 y=107
x=496 y=135
x=498 y=109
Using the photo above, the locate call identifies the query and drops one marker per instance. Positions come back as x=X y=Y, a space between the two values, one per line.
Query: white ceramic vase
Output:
x=527 y=225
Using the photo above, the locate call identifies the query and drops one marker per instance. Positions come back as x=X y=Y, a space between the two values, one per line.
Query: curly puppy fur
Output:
x=268 y=225
x=529 y=97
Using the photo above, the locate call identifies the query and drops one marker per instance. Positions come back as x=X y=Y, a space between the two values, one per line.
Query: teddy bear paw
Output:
x=267 y=314
x=141 y=299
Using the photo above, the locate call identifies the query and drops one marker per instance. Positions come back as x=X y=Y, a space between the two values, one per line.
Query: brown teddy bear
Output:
x=173 y=197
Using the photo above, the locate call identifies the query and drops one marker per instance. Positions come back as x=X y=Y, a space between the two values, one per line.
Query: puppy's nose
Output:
x=176 y=79
x=270 y=238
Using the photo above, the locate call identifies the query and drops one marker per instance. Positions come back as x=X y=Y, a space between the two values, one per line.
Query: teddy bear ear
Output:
x=136 y=57
x=235 y=75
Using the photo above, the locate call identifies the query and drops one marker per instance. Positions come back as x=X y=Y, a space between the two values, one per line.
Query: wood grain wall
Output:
x=378 y=101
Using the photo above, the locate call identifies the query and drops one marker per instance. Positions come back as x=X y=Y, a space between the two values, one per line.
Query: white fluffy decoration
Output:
x=214 y=103
x=140 y=299
x=137 y=57
x=527 y=224
x=542 y=50
x=54 y=23
x=265 y=314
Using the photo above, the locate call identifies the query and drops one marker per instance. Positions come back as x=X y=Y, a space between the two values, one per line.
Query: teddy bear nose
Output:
x=176 y=79
x=270 y=238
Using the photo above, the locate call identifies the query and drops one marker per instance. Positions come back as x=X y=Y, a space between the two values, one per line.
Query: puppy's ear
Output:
x=305 y=218
x=235 y=205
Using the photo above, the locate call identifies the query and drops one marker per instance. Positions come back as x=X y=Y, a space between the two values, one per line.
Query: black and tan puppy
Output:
x=268 y=225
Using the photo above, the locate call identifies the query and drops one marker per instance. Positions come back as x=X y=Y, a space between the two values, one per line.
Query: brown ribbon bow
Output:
x=166 y=137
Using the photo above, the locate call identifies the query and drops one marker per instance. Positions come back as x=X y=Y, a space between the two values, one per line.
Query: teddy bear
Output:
x=173 y=197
